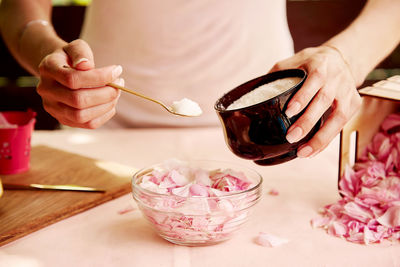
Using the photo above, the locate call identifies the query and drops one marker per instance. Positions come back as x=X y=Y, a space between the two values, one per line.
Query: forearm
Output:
x=370 y=38
x=28 y=44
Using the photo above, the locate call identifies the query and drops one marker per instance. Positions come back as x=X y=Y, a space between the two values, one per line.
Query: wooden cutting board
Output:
x=25 y=211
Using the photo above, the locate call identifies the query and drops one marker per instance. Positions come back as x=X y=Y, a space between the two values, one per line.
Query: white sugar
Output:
x=264 y=92
x=186 y=107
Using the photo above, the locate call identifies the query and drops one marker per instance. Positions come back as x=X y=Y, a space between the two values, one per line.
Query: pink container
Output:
x=15 y=140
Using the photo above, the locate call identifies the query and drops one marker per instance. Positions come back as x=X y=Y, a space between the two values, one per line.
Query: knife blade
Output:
x=62 y=187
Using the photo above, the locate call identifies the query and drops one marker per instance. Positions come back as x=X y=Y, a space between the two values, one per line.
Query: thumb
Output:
x=80 y=55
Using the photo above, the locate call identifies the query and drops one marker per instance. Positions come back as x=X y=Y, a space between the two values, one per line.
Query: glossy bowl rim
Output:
x=223 y=110
x=226 y=196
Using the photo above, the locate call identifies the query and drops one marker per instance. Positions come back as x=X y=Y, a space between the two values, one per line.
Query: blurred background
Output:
x=311 y=23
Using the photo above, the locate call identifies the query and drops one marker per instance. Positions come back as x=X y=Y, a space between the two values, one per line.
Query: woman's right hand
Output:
x=74 y=91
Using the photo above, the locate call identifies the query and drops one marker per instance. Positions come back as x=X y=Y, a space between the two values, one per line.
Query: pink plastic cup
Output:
x=16 y=129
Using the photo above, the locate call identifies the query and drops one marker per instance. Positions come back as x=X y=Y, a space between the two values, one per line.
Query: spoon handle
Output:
x=138 y=94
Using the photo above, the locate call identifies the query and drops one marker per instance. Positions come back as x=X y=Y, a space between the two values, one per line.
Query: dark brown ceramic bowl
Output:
x=258 y=132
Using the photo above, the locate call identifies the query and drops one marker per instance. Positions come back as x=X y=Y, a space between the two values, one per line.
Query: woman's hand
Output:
x=329 y=83
x=73 y=90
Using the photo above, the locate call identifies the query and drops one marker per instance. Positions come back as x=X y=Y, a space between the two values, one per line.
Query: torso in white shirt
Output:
x=171 y=49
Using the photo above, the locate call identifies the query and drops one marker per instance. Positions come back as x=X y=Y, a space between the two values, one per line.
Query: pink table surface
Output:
x=103 y=237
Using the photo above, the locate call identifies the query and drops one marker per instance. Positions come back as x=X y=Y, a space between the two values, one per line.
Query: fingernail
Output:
x=117 y=71
x=79 y=61
x=294 y=134
x=120 y=81
x=292 y=109
x=304 y=152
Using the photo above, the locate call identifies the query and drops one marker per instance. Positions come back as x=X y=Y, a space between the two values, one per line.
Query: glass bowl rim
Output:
x=225 y=196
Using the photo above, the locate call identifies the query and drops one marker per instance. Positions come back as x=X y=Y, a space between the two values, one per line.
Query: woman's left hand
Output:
x=329 y=83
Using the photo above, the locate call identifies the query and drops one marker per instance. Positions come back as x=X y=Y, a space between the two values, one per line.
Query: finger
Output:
x=80 y=55
x=54 y=66
x=99 y=121
x=303 y=125
x=331 y=128
x=95 y=123
x=52 y=63
x=79 y=98
x=315 y=80
x=77 y=117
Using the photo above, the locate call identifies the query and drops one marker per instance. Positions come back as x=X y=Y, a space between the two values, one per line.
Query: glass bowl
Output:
x=202 y=219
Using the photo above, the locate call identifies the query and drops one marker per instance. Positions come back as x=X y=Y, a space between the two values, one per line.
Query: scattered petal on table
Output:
x=127 y=209
x=269 y=240
x=273 y=192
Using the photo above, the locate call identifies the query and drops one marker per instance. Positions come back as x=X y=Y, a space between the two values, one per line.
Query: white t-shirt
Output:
x=171 y=49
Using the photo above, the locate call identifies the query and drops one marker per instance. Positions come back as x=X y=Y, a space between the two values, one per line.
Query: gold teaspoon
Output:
x=174 y=110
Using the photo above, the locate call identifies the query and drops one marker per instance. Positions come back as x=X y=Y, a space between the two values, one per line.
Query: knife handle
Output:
x=17 y=186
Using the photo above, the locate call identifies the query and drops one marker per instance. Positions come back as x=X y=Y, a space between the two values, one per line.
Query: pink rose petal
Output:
x=391 y=121
x=199 y=190
x=357 y=212
x=269 y=240
x=319 y=221
x=127 y=209
x=391 y=218
x=183 y=191
x=273 y=192
x=338 y=229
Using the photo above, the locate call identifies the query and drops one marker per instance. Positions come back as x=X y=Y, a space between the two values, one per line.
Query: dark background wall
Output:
x=311 y=22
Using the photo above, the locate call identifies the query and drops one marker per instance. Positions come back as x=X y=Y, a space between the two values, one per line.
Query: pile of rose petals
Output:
x=369 y=211
x=193 y=203
x=181 y=180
